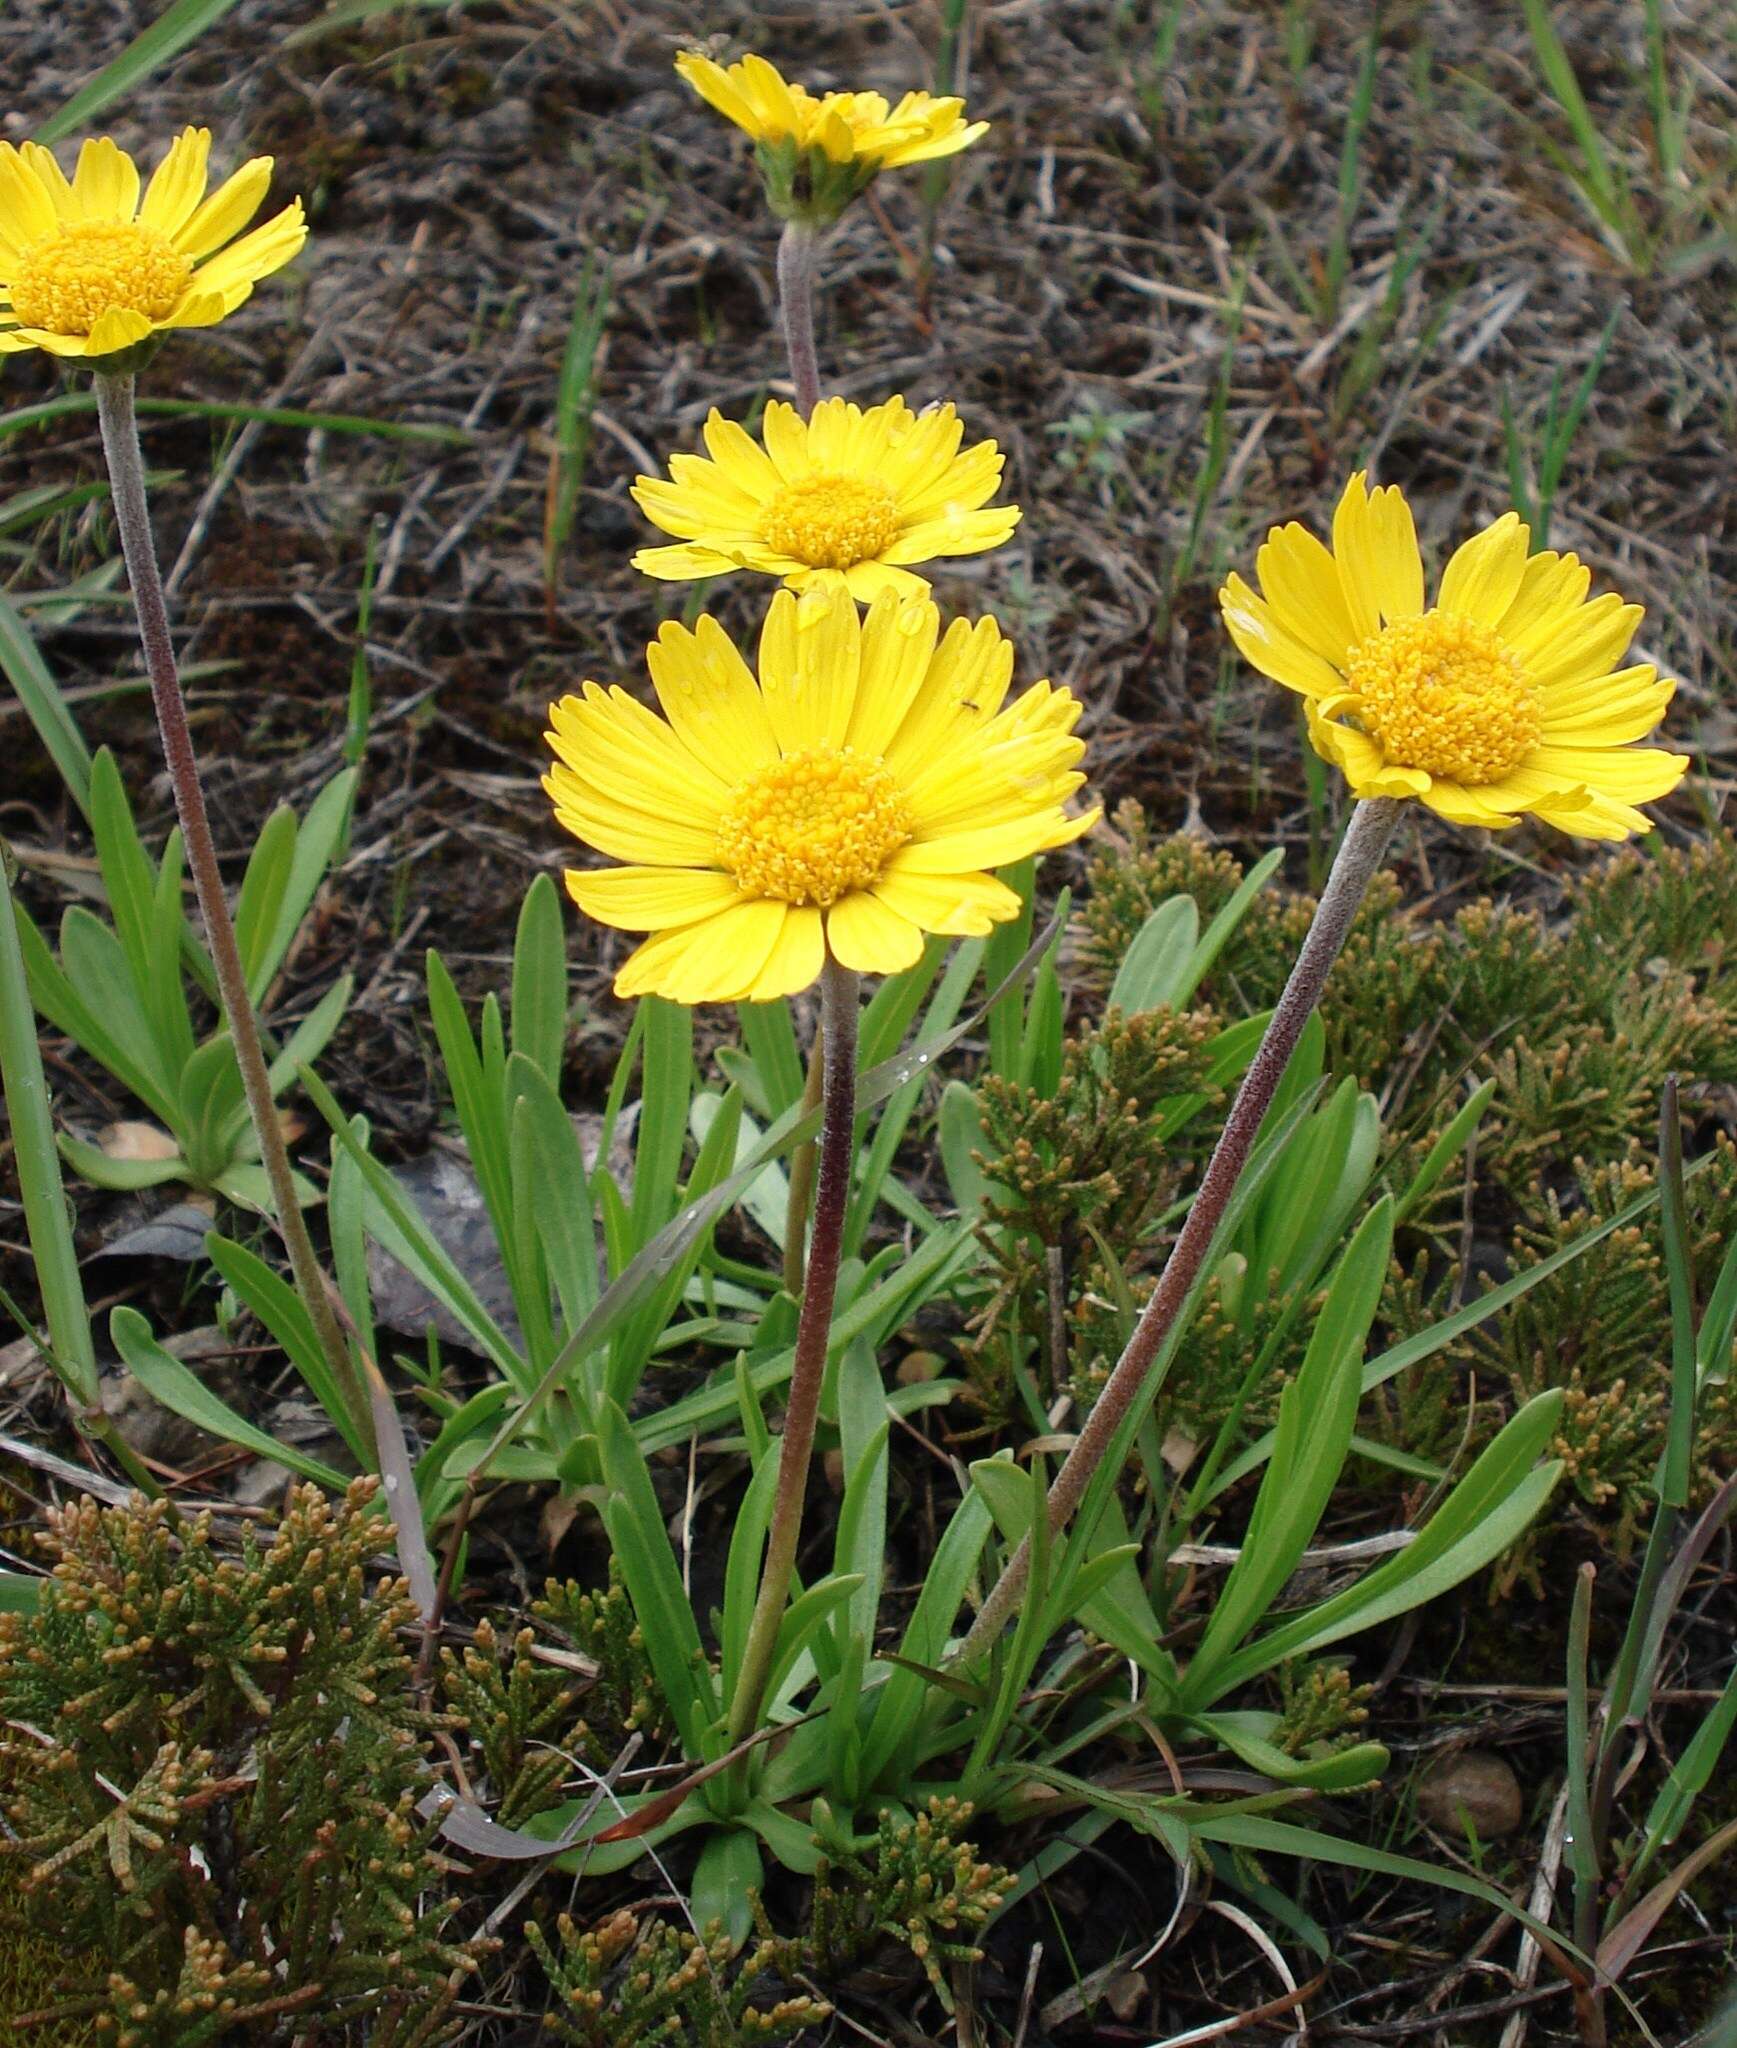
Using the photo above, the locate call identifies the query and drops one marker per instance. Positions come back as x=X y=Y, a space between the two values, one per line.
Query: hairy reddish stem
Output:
x=1360 y=851
x=838 y=1022
x=796 y=251
x=120 y=435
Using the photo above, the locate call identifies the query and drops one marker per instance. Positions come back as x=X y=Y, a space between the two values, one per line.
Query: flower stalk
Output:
x=838 y=1026
x=800 y=1197
x=118 y=418
x=1360 y=853
x=796 y=252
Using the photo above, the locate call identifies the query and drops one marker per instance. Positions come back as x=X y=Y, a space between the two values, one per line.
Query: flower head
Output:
x=1501 y=698
x=818 y=151
x=88 y=268
x=852 y=797
x=846 y=496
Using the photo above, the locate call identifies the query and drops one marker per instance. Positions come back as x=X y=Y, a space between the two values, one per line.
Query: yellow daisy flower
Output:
x=837 y=141
x=846 y=496
x=1501 y=698
x=88 y=268
x=852 y=797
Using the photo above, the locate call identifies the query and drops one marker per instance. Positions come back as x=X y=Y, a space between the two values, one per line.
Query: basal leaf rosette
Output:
x=90 y=268
x=817 y=151
x=851 y=797
x=1502 y=699
x=850 y=496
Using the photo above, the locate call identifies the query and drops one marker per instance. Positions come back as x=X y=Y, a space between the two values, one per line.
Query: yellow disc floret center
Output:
x=1442 y=693
x=832 y=522
x=68 y=282
x=814 y=826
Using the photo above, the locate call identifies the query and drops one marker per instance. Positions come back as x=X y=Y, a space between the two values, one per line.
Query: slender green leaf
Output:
x=1155 y=968
x=1316 y=1415
x=899 y=1701
x=1423 y=1344
x=183 y=1393
x=539 y=1013
x=667 y=1082
x=636 y=1534
x=46 y=1217
x=1490 y=1509
x=1219 y=933
x=263 y=889
x=279 y=1308
x=727 y=1880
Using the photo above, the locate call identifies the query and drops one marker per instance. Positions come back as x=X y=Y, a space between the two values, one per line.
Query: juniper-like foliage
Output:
x=209 y=1771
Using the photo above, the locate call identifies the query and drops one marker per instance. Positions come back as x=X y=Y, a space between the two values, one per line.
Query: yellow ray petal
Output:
x=713 y=961
x=178 y=183
x=105 y=185
x=626 y=834
x=120 y=327
x=1588 y=644
x=786 y=436
x=69 y=345
x=961 y=533
x=1300 y=583
x=27 y=212
x=623 y=752
x=795 y=960
x=972 y=660
x=650 y=899
x=740 y=457
x=709 y=698
x=1630 y=775
x=1375 y=547
x=715 y=86
x=257 y=255
x=832 y=429
x=775 y=100
x=867 y=934
x=687 y=513
x=1267 y=646
x=1464 y=807
x=1484 y=576
x=707 y=483
x=966 y=482
x=1606 y=710
x=204 y=309
x=868 y=580
x=1552 y=586
x=991 y=846
x=920 y=457
x=1362 y=762
x=898 y=642
x=226 y=212
x=810 y=654
x=1350 y=558
x=684 y=563
x=960 y=906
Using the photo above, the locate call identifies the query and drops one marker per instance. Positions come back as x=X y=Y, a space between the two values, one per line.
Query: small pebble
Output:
x=1471 y=1790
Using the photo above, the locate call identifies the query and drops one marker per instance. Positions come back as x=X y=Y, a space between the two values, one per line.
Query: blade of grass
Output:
x=575 y=399
x=360 y=709
x=1600 y=179
x=170 y=33
x=44 y=705
x=351 y=13
x=272 y=415
x=1350 y=173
